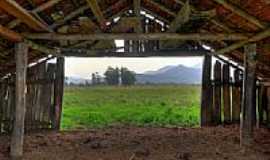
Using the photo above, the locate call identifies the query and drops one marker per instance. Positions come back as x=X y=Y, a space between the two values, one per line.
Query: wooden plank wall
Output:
x=227 y=85
x=40 y=99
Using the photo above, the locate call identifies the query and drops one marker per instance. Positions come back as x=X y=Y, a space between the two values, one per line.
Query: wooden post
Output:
x=249 y=96
x=58 y=92
x=226 y=94
x=207 y=93
x=16 y=148
x=261 y=103
x=217 y=94
x=236 y=97
x=268 y=107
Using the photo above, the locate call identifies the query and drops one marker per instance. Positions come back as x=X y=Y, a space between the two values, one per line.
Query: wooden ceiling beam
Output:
x=14 y=9
x=241 y=13
x=10 y=35
x=138 y=36
x=93 y=4
x=164 y=9
x=257 y=37
x=40 y=8
x=182 y=17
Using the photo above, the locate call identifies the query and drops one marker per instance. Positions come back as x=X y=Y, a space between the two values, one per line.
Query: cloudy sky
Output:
x=83 y=67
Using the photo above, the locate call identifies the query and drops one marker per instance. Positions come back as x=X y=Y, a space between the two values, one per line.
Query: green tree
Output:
x=127 y=77
x=112 y=76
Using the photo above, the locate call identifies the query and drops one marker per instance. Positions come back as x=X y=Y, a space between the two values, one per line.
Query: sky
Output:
x=84 y=67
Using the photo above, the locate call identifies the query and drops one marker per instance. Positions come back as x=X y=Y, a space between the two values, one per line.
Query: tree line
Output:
x=115 y=76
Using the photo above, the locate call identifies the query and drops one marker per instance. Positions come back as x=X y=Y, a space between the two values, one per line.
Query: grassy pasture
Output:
x=163 y=105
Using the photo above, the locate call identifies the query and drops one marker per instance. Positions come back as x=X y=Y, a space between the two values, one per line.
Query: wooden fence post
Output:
x=226 y=94
x=236 y=97
x=21 y=51
x=58 y=92
x=249 y=96
x=207 y=92
x=217 y=94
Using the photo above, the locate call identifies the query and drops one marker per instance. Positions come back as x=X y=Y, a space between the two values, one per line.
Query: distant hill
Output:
x=172 y=74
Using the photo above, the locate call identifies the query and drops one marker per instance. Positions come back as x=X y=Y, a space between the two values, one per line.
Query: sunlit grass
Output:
x=95 y=107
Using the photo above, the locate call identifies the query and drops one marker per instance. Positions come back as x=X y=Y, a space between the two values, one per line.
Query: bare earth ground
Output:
x=131 y=143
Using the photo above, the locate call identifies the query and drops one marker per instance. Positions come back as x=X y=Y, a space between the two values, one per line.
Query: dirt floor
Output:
x=130 y=143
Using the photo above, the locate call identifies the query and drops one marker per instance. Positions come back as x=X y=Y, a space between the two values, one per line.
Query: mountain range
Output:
x=179 y=74
x=172 y=74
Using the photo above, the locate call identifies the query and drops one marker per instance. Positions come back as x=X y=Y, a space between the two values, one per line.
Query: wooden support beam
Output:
x=226 y=94
x=217 y=94
x=181 y=18
x=241 y=13
x=10 y=35
x=255 y=38
x=93 y=4
x=40 y=8
x=136 y=36
x=13 y=8
x=249 y=96
x=161 y=7
x=127 y=53
x=58 y=92
x=16 y=148
x=236 y=97
x=207 y=93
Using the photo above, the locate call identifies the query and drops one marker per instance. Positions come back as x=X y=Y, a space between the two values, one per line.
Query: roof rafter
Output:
x=257 y=37
x=40 y=8
x=93 y=4
x=241 y=13
x=17 y=11
x=10 y=35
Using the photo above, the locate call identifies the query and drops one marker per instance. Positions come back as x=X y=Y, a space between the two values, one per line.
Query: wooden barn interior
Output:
x=232 y=35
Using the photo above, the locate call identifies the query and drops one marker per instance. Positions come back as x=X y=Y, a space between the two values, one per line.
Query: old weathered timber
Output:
x=217 y=94
x=236 y=97
x=138 y=36
x=13 y=8
x=16 y=148
x=268 y=107
x=249 y=95
x=9 y=34
x=58 y=92
x=226 y=94
x=262 y=103
x=207 y=93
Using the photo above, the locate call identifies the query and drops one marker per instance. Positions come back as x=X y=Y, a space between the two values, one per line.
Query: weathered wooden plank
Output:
x=138 y=36
x=50 y=75
x=262 y=103
x=217 y=94
x=13 y=8
x=226 y=94
x=16 y=148
x=236 y=97
x=10 y=35
x=249 y=95
x=58 y=92
x=268 y=107
x=207 y=92
x=241 y=13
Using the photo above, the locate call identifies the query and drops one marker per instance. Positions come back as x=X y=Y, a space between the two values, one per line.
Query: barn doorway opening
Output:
x=155 y=91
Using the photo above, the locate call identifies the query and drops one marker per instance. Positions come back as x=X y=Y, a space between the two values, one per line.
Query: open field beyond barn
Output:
x=95 y=107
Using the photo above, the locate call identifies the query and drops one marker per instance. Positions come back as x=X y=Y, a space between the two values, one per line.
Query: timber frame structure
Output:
x=237 y=33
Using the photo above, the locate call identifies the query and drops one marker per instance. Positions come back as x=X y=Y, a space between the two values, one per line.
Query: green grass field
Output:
x=95 y=107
